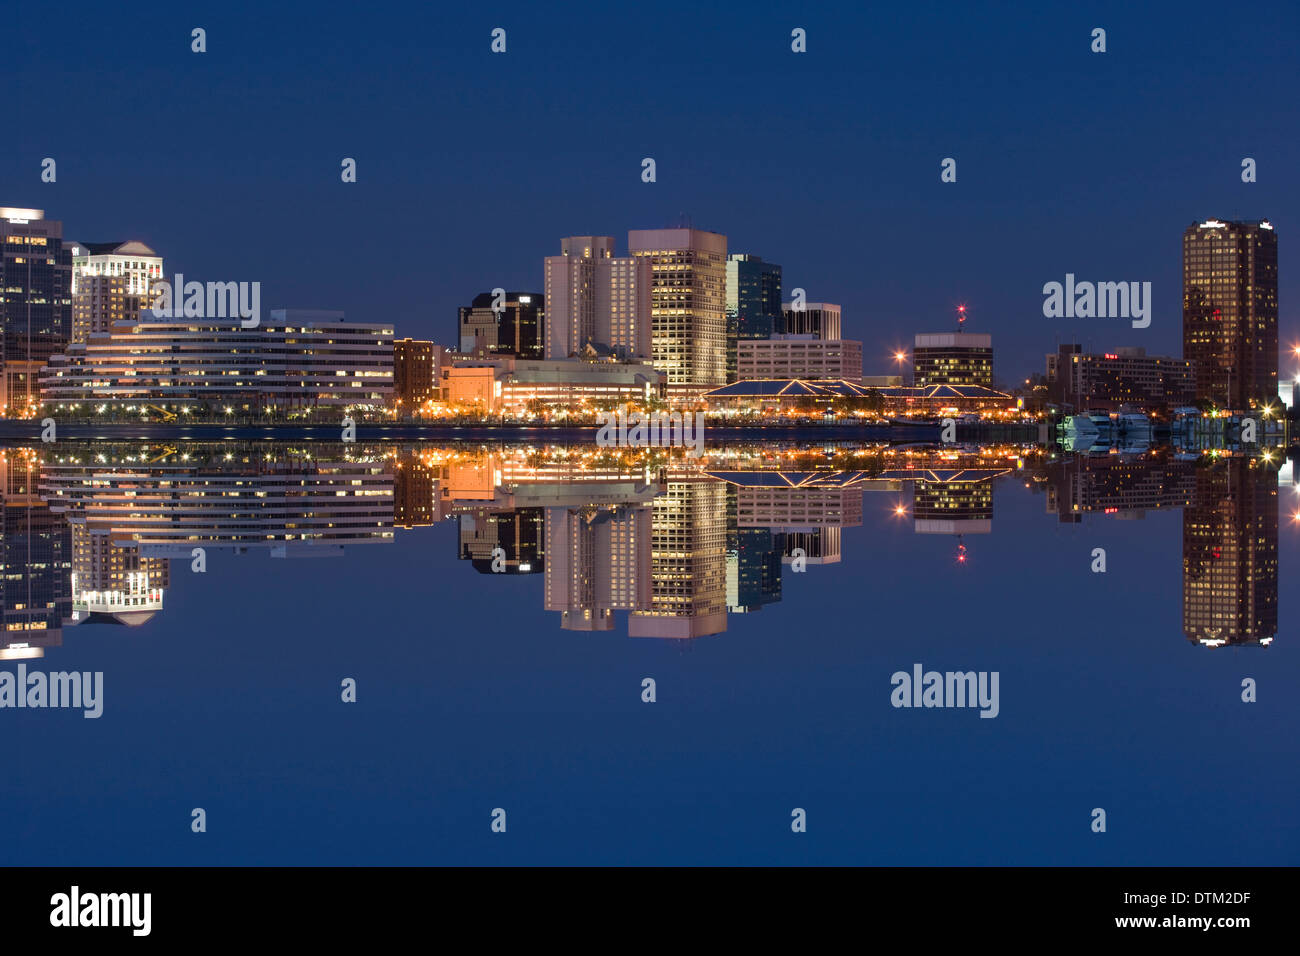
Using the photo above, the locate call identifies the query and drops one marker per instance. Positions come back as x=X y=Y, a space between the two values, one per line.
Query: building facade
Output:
x=35 y=304
x=953 y=358
x=296 y=362
x=1230 y=311
x=1124 y=377
x=820 y=319
x=415 y=372
x=596 y=298
x=798 y=356
x=753 y=302
x=688 y=341
x=514 y=385
x=514 y=327
x=111 y=282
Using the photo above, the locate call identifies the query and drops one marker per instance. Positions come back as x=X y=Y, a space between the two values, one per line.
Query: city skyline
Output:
x=693 y=303
x=1069 y=204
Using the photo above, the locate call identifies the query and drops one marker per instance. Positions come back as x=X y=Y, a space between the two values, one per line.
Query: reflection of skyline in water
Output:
x=671 y=545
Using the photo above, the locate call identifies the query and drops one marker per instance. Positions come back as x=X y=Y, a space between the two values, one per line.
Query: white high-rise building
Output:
x=111 y=281
x=689 y=334
x=595 y=298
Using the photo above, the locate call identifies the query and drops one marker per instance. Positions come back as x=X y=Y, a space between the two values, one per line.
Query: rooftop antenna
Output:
x=961 y=317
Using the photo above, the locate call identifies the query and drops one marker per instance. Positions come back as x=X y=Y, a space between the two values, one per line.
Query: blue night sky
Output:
x=471 y=166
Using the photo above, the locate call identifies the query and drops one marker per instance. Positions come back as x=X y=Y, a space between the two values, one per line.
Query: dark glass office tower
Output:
x=753 y=302
x=1230 y=311
x=35 y=303
x=516 y=329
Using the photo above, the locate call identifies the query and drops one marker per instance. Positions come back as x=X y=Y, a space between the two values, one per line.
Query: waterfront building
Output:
x=594 y=298
x=799 y=356
x=35 y=304
x=294 y=363
x=688 y=302
x=1230 y=311
x=952 y=358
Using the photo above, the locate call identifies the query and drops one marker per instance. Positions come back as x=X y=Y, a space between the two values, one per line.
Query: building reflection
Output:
x=36 y=549
x=1230 y=567
x=664 y=545
x=1229 y=508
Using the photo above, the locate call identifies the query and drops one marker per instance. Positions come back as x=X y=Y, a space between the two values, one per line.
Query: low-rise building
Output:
x=512 y=385
x=295 y=362
x=1123 y=377
x=952 y=358
x=799 y=356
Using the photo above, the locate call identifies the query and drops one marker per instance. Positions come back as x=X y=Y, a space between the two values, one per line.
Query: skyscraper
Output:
x=688 y=305
x=753 y=302
x=35 y=303
x=593 y=297
x=110 y=281
x=1230 y=311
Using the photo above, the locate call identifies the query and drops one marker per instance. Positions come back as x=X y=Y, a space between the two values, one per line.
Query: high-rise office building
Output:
x=820 y=319
x=1230 y=311
x=753 y=302
x=688 y=304
x=35 y=303
x=953 y=358
x=596 y=298
x=111 y=281
x=514 y=327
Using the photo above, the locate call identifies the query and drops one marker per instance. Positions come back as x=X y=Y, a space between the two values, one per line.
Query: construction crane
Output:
x=166 y=415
